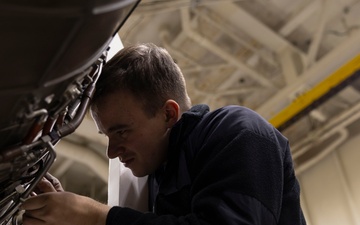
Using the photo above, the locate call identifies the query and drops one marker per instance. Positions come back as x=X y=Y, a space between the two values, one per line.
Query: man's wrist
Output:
x=99 y=212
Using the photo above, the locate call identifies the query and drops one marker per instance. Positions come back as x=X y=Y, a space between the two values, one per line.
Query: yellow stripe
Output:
x=319 y=90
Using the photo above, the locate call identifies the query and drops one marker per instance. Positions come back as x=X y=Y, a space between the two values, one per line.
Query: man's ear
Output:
x=172 y=112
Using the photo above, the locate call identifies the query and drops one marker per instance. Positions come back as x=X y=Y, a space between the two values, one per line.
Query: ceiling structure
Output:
x=268 y=55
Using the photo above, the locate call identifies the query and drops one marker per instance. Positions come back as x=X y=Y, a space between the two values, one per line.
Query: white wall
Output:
x=331 y=188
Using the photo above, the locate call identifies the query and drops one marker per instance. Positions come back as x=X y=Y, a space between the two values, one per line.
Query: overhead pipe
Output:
x=337 y=125
x=343 y=135
x=338 y=122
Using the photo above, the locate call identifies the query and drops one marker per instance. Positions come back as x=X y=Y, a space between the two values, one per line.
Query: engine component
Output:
x=52 y=54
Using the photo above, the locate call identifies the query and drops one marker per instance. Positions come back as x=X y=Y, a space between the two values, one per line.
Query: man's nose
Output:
x=114 y=150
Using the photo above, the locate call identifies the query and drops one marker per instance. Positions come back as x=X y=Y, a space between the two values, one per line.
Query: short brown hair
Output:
x=148 y=72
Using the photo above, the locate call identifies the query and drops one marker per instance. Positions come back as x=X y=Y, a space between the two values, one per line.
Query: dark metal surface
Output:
x=51 y=54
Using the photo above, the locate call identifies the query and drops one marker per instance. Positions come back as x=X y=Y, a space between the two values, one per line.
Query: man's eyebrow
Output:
x=117 y=127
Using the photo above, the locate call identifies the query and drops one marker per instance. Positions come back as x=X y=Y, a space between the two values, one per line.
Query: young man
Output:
x=228 y=166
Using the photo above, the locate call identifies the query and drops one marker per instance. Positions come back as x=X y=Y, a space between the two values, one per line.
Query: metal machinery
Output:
x=51 y=56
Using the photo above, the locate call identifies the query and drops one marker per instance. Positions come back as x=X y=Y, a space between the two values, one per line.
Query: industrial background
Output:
x=296 y=63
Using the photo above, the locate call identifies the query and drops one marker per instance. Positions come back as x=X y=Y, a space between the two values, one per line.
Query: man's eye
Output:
x=121 y=133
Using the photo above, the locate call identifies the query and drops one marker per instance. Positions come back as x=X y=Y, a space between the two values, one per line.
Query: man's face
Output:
x=138 y=141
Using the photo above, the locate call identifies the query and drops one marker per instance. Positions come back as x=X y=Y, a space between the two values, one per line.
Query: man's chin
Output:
x=140 y=175
x=137 y=173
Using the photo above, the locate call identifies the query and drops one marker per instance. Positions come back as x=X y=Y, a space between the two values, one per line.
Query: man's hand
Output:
x=63 y=208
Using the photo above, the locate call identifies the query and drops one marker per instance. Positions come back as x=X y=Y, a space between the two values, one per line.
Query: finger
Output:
x=44 y=186
x=34 y=202
x=28 y=220
x=39 y=214
x=50 y=177
x=54 y=181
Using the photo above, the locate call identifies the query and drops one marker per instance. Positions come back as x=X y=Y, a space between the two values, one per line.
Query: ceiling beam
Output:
x=295 y=21
x=327 y=65
x=322 y=91
x=288 y=65
x=209 y=45
x=319 y=33
x=244 y=21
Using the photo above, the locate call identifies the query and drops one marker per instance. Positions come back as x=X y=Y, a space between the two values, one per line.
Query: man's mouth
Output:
x=127 y=162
